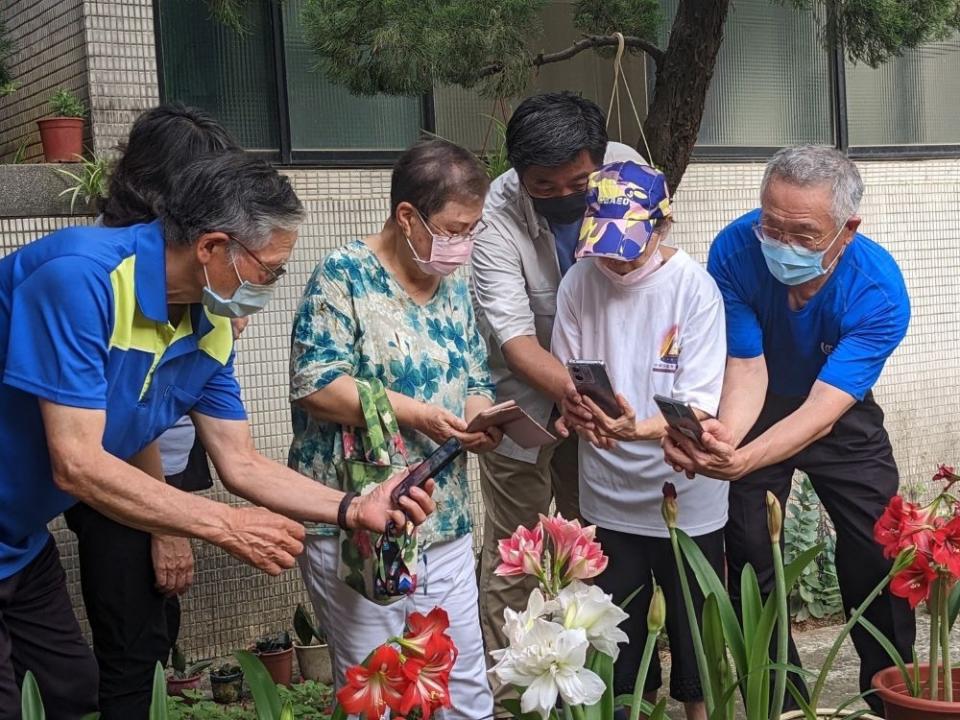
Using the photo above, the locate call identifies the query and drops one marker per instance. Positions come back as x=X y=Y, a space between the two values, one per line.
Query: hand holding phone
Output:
x=515 y=424
x=591 y=379
x=680 y=416
x=437 y=461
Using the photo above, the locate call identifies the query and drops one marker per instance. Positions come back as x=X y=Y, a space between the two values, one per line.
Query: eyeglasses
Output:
x=765 y=232
x=469 y=235
x=274 y=273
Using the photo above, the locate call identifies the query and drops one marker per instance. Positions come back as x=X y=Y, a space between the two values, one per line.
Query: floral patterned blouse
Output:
x=355 y=319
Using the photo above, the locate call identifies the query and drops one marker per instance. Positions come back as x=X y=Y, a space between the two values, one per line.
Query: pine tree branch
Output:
x=588 y=42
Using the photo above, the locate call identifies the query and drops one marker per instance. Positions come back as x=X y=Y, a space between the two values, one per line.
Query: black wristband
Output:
x=342 y=511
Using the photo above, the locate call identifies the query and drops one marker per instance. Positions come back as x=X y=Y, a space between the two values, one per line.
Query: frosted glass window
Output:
x=324 y=116
x=231 y=76
x=909 y=100
x=771 y=85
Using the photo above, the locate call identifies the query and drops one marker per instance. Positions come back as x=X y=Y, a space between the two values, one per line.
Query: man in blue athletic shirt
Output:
x=107 y=337
x=814 y=309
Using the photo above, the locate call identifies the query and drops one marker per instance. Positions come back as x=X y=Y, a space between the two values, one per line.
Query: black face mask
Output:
x=562 y=210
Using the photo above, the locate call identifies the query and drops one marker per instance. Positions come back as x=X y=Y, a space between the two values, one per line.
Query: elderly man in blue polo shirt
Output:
x=814 y=309
x=107 y=337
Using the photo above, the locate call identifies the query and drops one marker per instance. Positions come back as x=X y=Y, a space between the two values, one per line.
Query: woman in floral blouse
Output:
x=395 y=307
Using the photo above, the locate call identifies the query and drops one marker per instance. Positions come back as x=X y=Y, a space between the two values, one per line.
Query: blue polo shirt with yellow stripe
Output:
x=83 y=323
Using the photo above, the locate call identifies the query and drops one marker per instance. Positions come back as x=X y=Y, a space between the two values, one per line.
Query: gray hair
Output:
x=230 y=192
x=807 y=165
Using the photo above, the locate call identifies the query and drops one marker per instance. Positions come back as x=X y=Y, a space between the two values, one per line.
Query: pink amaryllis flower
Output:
x=575 y=551
x=521 y=553
x=586 y=560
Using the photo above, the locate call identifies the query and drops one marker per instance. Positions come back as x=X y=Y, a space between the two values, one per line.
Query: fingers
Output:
x=413 y=511
x=422 y=498
x=561 y=427
x=625 y=407
x=457 y=423
x=599 y=415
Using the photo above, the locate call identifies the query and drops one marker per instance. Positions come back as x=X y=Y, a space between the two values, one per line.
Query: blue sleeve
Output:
x=221 y=395
x=871 y=337
x=61 y=318
x=727 y=265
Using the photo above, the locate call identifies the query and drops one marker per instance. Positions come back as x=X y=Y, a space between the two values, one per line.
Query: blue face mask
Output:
x=246 y=300
x=793 y=265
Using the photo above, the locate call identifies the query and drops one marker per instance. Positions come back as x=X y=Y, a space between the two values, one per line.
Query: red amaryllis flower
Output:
x=946 y=547
x=901 y=525
x=422 y=628
x=945 y=472
x=374 y=687
x=914 y=582
x=428 y=678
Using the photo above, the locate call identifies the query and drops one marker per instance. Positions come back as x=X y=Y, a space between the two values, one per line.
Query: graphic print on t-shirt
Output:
x=669 y=351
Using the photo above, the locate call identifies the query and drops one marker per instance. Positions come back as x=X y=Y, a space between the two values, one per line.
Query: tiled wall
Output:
x=909 y=207
x=49 y=55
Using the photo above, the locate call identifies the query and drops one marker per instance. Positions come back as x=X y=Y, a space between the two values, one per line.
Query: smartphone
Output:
x=591 y=379
x=438 y=460
x=680 y=416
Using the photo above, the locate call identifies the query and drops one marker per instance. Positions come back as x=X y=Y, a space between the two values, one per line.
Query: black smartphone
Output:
x=591 y=379
x=680 y=416
x=438 y=460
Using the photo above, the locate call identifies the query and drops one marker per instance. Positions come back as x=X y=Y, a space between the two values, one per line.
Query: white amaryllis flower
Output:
x=548 y=661
x=518 y=624
x=590 y=609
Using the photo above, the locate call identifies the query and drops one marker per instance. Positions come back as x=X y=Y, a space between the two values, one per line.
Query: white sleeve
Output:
x=565 y=343
x=703 y=349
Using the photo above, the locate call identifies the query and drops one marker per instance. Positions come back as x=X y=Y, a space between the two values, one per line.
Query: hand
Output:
x=621 y=428
x=440 y=425
x=487 y=441
x=262 y=538
x=573 y=410
x=376 y=510
x=599 y=441
x=715 y=456
x=172 y=563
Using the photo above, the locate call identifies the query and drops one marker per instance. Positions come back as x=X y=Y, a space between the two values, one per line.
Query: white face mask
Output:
x=246 y=299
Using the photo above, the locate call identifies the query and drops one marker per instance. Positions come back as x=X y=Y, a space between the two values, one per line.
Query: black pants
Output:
x=635 y=561
x=133 y=625
x=854 y=473
x=39 y=632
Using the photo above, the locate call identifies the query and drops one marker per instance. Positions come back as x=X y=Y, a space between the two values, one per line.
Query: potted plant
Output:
x=184 y=676
x=918 y=691
x=313 y=659
x=62 y=134
x=276 y=654
x=226 y=683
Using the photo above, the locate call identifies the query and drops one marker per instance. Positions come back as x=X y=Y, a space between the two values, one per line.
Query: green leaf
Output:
x=710 y=583
x=893 y=653
x=158 y=695
x=750 y=603
x=91 y=716
x=953 y=606
x=287 y=712
x=31 y=706
x=303 y=626
x=602 y=665
x=792 y=571
x=659 y=710
x=264 y=691
x=629 y=598
x=808 y=712
x=512 y=706
x=714 y=648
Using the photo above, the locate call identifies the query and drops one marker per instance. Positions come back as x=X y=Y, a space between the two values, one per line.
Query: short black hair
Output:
x=162 y=142
x=550 y=130
x=433 y=172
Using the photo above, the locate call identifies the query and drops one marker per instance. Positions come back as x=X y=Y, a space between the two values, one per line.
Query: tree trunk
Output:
x=683 y=78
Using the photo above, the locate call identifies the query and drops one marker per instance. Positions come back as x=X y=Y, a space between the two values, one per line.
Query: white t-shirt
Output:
x=664 y=335
x=176 y=444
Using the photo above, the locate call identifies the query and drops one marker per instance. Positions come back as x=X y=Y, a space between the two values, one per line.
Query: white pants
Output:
x=355 y=626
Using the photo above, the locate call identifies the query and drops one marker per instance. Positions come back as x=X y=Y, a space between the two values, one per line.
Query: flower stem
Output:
x=933 y=601
x=578 y=712
x=945 y=638
x=783 y=633
x=642 y=675
x=692 y=622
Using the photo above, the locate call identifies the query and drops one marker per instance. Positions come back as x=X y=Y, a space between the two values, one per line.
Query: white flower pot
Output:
x=314 y=663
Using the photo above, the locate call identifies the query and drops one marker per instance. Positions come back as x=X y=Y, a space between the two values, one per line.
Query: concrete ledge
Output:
x=33 y=190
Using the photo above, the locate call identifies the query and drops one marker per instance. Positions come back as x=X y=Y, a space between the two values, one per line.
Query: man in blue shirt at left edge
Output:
x=107 y=337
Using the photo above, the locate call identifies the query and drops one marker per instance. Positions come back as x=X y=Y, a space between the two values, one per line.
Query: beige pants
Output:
x=514 y=493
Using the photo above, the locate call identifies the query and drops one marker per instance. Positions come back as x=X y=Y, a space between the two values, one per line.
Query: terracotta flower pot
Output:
x=825 y=713
x=176 y=686
x=314 y=663
x=900 y=705
x=279 y=664
x=62 y=139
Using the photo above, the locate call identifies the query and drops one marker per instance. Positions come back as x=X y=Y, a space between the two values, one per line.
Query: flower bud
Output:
x=669 y=508
x=774 y=517
x=904 y=560
x=657 y=614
